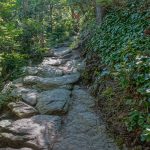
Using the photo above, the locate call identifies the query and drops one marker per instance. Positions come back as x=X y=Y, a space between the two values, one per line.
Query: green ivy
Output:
x=124 y=50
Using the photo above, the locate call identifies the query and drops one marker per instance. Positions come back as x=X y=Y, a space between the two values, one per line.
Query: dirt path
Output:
x=55 y=113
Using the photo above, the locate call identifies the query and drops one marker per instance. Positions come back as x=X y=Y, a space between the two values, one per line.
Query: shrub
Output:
x=11 y=64
x=123 y=48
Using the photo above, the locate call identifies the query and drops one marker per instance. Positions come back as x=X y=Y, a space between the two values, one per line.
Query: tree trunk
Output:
x=100 y=13
x=51 y=18
x=42 y=19
x=25 y=8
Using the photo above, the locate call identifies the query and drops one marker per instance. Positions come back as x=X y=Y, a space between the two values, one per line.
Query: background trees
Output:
x=115 y=33
x=29 y=28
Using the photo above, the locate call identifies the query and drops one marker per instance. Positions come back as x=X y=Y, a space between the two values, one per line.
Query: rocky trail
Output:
x=55 y=111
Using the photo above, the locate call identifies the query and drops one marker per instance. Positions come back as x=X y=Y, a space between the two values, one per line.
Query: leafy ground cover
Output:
x=119 y=50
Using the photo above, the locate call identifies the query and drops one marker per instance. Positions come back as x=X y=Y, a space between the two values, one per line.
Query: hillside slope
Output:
x=118 y=70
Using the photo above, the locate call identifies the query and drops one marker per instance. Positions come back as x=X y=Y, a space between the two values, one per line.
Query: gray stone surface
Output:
x=75 y=63
x=31 y=80
x=15 y=149
x=54 y=102
x=68 y=87
x=30 y=70
x=83 y=130
x=22 y=110
x=49 y=83
x=52 y=61
x=59 y=52
x=5 y=123
x=45 y=71
x=54 y=80
x=28 y=95
x=49 y=71
x=38 y=132
x=30 y=98
x=66 y=56
x=73 y=66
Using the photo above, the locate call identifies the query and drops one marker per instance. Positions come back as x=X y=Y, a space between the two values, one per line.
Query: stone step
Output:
x=83 y=130
x=28 y=95
x=15 y=148
x=73 y=66
x=54 y=102
x=47 y=89
x=38 y=132
x=44 y=71
x=22 y=110
x=60 y=52
x=54 y=61
x=51 y=83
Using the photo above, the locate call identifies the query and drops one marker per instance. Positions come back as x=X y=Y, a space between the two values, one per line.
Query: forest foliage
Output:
x=123 y=48
x=30 y=28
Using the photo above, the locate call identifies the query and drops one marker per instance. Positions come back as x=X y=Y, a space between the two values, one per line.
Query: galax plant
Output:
x=124 y=48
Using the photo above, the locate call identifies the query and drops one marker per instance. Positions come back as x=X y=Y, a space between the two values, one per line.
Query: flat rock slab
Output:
x=83 y=130
x=29 y=96
x=73 y=66
x=49 y=83
x=5 y=123
x=59 y=52
x=54 y=102
x=15 y=149
x=22 y=110
x=52 y=61
x=46 y=71
x=38 y=132
x=66 y=56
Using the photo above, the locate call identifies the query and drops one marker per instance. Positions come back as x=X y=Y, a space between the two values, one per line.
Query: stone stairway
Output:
x=55 y=112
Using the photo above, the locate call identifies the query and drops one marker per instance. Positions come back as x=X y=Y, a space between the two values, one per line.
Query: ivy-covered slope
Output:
x=122 y=49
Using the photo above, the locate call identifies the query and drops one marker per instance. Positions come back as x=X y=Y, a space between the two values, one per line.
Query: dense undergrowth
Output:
x=118 y=62
x=28 y=29
x=118 y=53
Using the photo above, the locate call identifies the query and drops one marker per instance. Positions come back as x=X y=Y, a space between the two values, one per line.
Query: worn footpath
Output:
x=55 y=112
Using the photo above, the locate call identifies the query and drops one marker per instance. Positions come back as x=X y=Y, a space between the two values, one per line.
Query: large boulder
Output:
x=53 y=61
x=45 y=71
x=28 y=95
x=49 y=83
x=59 y=52
x=73 y=66
x=22 y=110
x=38 y=132
x=66 y=56
x=54 y=102
x=31 y=80
x=83 y=129
x=15 y=149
